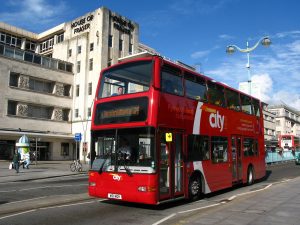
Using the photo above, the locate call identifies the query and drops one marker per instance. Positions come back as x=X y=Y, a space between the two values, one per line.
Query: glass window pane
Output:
x=28 y=57
x=171 y=82
x=256 y=107
x=133 y=78
x=46 y=61
x=219 y=149
x=216 y=94
x=9 y=52
x=233 y=100
x=198 y=146
x=61 y=66
x=37 y=59
x=1 y=49
x=19 y=54
x=195 y=90
x=246 y=104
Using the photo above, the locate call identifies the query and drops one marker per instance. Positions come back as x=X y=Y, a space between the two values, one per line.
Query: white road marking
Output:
x=214 y=205
x=164 y=219
x=17 y=214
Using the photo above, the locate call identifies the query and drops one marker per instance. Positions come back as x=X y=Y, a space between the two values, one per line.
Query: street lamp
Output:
x=230 y=49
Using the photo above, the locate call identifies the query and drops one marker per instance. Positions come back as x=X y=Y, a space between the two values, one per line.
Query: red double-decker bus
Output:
x=161 y=132
x=289 y=142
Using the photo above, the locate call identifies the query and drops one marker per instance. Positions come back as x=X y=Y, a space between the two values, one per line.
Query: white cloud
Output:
x=204 y=7
x=293 y=34
x=226 y=37
x=289 y=98
x=265 y=86
x=200 y=54
x=30 y=14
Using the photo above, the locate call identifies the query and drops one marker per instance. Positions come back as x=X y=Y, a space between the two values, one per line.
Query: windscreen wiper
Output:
x=102 y=165
x=128 y=171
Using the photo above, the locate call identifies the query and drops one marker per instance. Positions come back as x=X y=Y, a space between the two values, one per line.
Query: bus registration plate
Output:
x=114 y=196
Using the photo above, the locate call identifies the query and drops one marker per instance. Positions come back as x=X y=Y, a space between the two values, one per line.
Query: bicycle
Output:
x=76 y=166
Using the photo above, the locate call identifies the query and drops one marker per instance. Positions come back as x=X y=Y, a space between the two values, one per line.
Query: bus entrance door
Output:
x=171 y=165
x=236 y=159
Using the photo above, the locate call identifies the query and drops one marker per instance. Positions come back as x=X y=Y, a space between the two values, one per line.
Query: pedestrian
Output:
x=16 y=160
x=26 y=161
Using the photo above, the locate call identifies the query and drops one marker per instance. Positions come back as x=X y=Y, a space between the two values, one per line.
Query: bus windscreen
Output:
x=130 y=78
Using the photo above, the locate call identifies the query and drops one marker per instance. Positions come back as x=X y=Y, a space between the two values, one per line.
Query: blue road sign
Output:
x=77 y=137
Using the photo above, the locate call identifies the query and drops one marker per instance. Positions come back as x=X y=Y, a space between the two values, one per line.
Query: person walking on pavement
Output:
x=16 y=160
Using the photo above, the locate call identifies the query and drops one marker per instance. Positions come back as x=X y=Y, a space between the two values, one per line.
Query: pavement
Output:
x=41 y=170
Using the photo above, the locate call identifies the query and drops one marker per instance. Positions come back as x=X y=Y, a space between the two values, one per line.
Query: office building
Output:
x=49 y=80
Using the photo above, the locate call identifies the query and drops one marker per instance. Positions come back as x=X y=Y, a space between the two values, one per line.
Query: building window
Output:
x=13 y=79
x=42 y=112
x=47 y=45
x=70 y=52
x=91 y=64
x=2 y=38
x=30 y=46
x=79 y=49
x=109 y=63
x=67 y=89
x=65 y=115
x=110 y=41
x=78 y=66
x=64 y=149
x=76 y=113
x=91 y=47
x=90 y=89
x=41 y=85
x=11 y=107
x=60 y=38
x=77 y=90
x=89 y=112
x=120 y=44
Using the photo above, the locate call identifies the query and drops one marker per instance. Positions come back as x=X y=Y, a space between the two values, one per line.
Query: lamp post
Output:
x=230 y=49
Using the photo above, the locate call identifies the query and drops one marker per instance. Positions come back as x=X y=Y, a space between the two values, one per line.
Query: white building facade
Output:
x=287 y=119
x=83 y=48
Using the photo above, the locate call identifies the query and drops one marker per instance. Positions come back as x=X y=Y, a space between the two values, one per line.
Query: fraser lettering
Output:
x=216 y=120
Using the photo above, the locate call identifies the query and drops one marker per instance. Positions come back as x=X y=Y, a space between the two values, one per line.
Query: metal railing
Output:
x=276 y=157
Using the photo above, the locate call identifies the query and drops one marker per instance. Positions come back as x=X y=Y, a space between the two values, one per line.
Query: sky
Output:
x=197 y=32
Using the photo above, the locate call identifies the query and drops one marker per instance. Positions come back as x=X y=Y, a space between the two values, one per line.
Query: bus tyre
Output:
x=195 y=188
x=250 y=176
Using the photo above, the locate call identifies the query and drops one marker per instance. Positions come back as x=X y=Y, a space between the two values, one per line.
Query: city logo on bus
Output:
x=116 y=177
x=216 y=120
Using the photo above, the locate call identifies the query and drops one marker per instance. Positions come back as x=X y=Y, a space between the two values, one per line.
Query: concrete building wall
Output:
x=287 y=120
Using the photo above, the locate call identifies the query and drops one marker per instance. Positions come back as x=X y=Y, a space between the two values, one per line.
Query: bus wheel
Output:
x=195 y=188
x=250 y=176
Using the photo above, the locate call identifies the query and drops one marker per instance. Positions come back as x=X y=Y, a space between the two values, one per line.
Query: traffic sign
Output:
x=77 y=137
